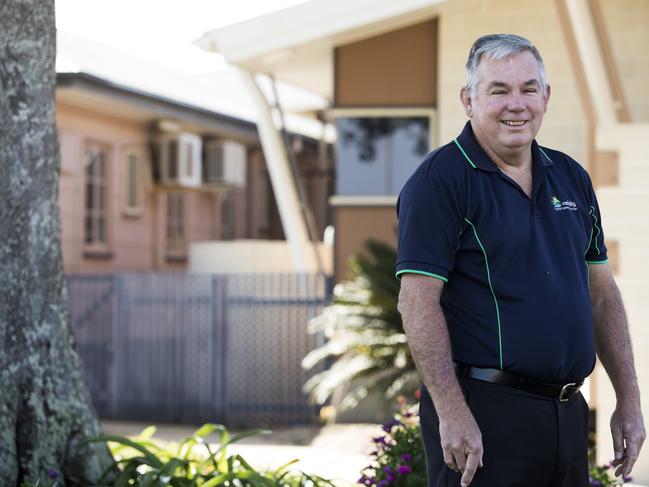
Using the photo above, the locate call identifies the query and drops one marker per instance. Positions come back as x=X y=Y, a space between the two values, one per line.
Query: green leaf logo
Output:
x=555 y=202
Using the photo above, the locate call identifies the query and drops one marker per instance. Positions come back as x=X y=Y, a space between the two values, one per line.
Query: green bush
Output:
x=193 y=463
x=365 y=337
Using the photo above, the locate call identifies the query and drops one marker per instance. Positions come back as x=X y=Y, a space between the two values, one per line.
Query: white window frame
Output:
x=127 y=209
x=379 y=112
x=176 y=248
x=431 y=113
x=96 y=245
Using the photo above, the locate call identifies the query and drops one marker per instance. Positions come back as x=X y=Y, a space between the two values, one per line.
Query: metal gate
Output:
x=194 y=348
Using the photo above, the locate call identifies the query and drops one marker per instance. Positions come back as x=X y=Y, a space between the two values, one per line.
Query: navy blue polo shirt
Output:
x=515 y=268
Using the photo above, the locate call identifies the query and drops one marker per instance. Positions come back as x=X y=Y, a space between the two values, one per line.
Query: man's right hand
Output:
x=461 y=443
x=425 y=326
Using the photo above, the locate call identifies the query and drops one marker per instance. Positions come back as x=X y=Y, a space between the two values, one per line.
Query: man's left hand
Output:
x=627 y=428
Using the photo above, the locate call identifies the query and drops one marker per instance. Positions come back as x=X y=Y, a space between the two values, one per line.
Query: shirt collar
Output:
x=478 y=158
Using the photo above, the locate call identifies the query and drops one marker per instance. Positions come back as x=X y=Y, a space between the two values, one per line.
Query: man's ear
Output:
x=546 y=98
x=465 y=98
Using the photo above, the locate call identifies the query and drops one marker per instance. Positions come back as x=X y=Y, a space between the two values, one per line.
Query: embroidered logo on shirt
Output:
x=563 y=205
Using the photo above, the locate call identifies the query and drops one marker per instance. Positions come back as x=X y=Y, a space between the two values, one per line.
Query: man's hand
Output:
x=427 y=333
x=461 y=443
x=627 y=428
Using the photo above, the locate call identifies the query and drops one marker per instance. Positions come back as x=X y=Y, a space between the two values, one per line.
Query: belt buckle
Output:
x=568 y=391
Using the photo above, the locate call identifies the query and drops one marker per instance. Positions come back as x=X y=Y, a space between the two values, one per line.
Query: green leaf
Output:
x=148 y=479
x=154 y=461
x=147 y=433
x=172 y=465
x=129 y=473
x=207 y=429
x=285 y=466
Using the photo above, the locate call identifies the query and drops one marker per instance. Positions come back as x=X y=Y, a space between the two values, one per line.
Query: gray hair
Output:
x=497 y=47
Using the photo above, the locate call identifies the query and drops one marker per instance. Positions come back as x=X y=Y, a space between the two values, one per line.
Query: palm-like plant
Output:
x=365 y=336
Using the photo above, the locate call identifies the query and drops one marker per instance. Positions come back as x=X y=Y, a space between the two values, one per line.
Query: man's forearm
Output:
x=427 y=333
x=613 y=342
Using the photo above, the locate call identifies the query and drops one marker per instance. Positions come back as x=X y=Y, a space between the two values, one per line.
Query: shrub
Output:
x=398 y=459
x=193 y=463
x=365 y=336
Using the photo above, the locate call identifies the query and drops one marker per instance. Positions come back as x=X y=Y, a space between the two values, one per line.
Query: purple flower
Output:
x=406 y=457
x=628 y=478
x=365 y=480
x=383 y=483
x=387 y=469
x=387 y=427
x=379 y=440
x=404 y=469
x=53 y=473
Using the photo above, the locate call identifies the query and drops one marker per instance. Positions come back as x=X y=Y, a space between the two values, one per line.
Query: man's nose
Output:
x=515 y=103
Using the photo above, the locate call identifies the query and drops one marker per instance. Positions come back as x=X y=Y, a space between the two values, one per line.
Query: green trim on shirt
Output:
x=423 y=273
x=486 y=261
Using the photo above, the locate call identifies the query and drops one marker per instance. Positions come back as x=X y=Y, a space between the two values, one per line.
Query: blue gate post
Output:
x=117 y=346
x=219 y=283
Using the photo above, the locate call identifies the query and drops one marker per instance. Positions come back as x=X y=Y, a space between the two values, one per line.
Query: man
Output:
x=506 y=292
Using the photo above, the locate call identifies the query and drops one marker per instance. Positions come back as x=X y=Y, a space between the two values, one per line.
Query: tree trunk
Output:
x=45 y=409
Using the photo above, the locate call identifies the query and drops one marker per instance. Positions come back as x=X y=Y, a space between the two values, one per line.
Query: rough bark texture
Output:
x=45 y=409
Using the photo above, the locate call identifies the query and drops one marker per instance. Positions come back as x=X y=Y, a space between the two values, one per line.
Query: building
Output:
x=392 y=71
x=144 y=176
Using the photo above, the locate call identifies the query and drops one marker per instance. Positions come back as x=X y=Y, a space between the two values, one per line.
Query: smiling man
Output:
x=506 y=292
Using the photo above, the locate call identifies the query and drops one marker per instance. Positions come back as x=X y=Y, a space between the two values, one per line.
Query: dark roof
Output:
x=162 y=106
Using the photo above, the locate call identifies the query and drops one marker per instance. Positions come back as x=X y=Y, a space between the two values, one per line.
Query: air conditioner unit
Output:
x=178 y=159
x=225 y=164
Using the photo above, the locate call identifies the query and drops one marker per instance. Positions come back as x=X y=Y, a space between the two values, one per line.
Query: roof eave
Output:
x=314 y=21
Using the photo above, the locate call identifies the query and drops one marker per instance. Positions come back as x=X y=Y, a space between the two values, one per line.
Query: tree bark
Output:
x=45 y=408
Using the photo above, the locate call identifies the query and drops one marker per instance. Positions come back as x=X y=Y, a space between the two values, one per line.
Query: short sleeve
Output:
x=430 y=220
x=596 y=252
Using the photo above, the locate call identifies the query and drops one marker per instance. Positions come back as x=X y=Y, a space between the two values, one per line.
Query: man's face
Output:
x=509 y=102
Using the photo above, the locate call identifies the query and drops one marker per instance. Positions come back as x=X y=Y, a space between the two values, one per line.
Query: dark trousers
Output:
x=528 y=440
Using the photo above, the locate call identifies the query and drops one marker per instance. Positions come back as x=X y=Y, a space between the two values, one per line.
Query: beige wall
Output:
x=461 y=22
x=251 y=256
x=626 y=23
x=626 y=221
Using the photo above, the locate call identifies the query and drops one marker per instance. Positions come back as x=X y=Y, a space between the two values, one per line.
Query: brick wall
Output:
x=626 y=24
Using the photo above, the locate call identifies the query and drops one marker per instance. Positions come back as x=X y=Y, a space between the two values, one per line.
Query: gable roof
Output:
x=296 y=44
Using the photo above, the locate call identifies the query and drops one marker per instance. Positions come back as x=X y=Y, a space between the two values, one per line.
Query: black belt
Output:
x=563 y=392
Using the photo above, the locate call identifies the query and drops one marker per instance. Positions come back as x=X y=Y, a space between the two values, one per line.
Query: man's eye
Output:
x=498 y=92
x=530 y=90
